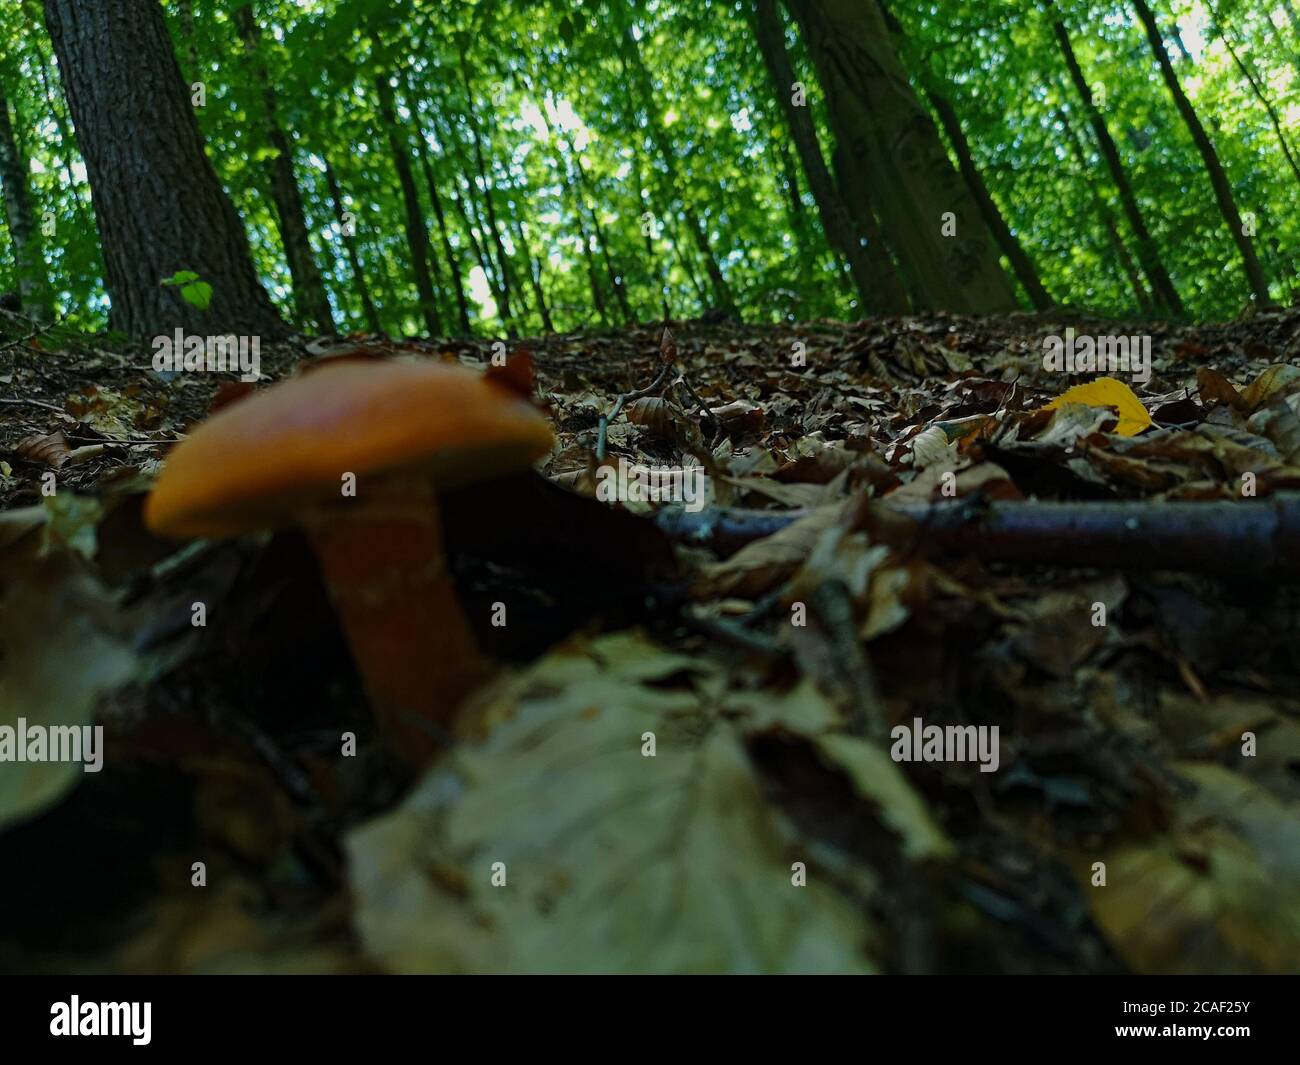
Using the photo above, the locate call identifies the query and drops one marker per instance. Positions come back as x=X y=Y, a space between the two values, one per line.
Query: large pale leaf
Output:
x=614 y=862
x=57 y=655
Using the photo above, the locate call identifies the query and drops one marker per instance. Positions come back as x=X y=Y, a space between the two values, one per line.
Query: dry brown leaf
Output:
x=1280 y=380
x=52 y=449
x=762 y=565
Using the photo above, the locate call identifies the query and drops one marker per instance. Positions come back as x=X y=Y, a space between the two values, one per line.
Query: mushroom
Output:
x=353 y=453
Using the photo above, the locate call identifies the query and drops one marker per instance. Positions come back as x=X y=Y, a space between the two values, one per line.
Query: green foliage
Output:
x=575 y=176
x=195 y=292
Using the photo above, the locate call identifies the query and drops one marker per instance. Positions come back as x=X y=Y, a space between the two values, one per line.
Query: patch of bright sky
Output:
x=560 y=113
x=481 y=292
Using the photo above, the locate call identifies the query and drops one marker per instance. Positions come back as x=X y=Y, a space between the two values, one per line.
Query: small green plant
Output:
x=193 y=291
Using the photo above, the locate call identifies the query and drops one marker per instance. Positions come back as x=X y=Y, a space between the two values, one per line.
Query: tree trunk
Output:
x=417 y=233
x=788 y=184
x=448 y=252
x=494 y=227
x=1122 y=255
x=887 y=142
x=450 y=255
x=593 y=274
x=655 y=267
x=722 y=298
x=472 y=219
x=1218 y=178
x=24 y=234
x=1007 y=241
x=534 y=276
x=348 y=234
x=683 y=252
x=158 y=204
x=611 y=271
x=1148 y=254
x=877 y=281
x=309 y=295
x=1258 y=90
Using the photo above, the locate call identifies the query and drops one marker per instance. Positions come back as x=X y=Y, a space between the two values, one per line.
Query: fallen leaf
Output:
x=1108 y=392
x=612 y=861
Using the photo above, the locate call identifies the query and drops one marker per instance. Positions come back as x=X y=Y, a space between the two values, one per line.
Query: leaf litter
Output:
x=771 y=830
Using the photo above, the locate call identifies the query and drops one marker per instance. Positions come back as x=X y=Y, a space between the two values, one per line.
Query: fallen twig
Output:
x=23 y=341
x=38 y=403
x=627 y=397
x=1253 y=537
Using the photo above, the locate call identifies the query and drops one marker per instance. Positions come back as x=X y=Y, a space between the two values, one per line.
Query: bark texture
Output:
x=159 y=206
x=890 y=150
x=879 y=286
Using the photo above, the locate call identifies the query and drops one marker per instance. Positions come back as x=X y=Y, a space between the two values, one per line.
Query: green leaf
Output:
x=197 y=294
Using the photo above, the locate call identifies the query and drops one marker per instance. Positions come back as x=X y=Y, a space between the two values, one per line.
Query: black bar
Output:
x=445 y=1015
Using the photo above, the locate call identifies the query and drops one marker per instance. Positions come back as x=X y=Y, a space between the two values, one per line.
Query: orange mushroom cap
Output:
x=259 y=463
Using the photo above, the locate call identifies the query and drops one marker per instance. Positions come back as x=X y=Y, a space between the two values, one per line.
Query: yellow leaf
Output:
x=1108 y=392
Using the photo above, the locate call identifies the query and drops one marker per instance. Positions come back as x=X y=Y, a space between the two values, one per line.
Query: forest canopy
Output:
x=489 y=168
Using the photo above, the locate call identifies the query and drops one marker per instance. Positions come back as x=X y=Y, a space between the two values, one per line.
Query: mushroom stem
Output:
x=382 y=558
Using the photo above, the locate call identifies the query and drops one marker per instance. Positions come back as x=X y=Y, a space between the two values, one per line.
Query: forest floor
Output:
x=1158 y=735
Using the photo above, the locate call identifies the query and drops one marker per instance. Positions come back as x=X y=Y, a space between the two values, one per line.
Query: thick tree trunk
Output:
x=1148 y=254
x=417 y=233
x=1007 y=241
x=877 y=281
x=309 y=295
x=888 y=143
x=1122 y=255
x=24 y=234
x=1021 y=264
x=348 y=234
x=158 y=204
x=1218 y=178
